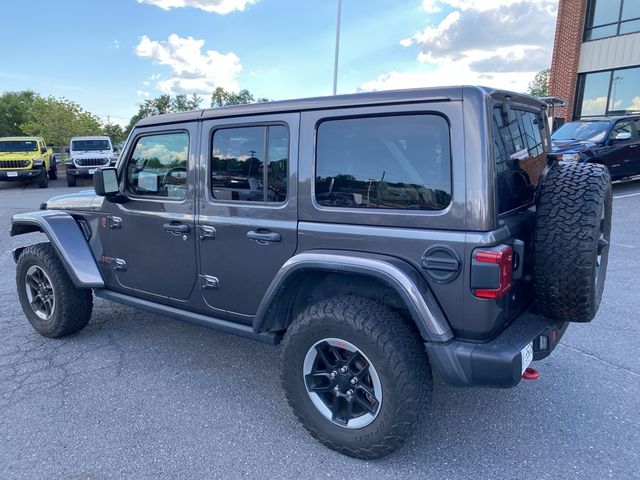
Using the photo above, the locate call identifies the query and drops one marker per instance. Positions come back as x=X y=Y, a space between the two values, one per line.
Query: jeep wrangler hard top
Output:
x=379 y=236
x=27 y=158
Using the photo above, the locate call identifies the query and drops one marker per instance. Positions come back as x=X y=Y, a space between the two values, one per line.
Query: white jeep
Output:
x=86 y=154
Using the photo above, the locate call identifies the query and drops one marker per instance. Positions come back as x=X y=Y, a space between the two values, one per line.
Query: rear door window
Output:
x=385 y=162
x=519 y=154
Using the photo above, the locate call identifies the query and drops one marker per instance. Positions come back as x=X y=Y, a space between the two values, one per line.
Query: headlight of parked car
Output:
x=570 y=157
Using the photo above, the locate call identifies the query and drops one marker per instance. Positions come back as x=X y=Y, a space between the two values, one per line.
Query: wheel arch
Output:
x=312 y=276
x=68 y=241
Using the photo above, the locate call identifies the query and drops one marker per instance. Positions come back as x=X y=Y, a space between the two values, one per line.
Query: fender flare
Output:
x=395 y=273
x=68 y=241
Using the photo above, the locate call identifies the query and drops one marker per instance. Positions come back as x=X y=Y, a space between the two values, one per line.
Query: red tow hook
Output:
x=530 y=374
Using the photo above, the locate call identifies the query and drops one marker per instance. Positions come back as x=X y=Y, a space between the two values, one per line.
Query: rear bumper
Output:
x=19 y=174
x=497 y=363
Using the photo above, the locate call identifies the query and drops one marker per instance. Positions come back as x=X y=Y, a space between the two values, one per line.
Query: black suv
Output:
x=610 y=141
x=378 y=236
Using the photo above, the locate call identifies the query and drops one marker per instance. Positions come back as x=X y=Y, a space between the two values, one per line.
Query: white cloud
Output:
x=500 y=43
x=116 y=44
x=192 y=70
x=143 y=93
x=221 y=7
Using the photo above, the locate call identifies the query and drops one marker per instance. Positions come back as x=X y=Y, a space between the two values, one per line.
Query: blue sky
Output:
x=110 y=56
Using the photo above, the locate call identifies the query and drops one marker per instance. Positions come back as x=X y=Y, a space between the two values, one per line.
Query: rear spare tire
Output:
x=572 y=234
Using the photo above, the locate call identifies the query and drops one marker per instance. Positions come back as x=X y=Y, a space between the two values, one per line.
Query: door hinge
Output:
x=207 y=232
x=119 y=264
x=209 y=282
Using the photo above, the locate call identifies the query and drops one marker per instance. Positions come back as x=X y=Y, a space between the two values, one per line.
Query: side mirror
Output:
x=622 y=136
x=43 y=150
x=105 y=182
x=66 y=149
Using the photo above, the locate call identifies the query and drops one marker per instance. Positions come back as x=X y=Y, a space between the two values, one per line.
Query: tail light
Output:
x=491 y=272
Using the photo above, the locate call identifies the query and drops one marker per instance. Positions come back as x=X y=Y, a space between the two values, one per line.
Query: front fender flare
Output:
x=68 y=240
x=399 y=275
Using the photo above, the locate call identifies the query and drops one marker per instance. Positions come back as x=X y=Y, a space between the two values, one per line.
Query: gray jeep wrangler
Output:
x=379 y=236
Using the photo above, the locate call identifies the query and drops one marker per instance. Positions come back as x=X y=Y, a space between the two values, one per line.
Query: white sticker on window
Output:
x=147 y=182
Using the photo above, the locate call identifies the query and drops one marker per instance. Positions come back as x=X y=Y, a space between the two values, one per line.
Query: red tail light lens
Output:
x=503 y=259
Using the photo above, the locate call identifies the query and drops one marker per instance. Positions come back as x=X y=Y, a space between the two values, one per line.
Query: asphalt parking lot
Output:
x=136 y=395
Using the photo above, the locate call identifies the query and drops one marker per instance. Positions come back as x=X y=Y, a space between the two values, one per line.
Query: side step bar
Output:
x=226 y=326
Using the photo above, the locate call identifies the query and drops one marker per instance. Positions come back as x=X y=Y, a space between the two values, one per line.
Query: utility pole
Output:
x=335 y=63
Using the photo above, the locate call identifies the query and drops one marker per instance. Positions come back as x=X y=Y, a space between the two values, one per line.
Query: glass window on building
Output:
x=625 y=91
x=608 y=18
x=613 y=92
x=594 y=94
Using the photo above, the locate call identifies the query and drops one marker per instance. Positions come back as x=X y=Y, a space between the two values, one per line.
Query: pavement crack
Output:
x=601 y=360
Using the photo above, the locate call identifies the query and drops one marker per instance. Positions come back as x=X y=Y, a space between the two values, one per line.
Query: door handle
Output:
x=176 y=228
x=264 y=236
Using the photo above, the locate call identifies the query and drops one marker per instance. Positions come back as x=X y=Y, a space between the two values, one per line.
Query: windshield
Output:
x=84 y=145
x=584 y=131
x=18 y=146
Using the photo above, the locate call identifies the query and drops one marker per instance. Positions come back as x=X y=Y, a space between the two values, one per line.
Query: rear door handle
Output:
x=264 y=236
x=176 y=228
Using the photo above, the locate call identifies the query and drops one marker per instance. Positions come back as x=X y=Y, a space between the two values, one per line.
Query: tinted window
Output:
x=519 y=155
x=594 y=131
x=158 y=166
x=400 y=162
x=238 y=160
x=621 y=127
x=18 y=145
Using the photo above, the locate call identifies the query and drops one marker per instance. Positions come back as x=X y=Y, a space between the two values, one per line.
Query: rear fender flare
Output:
x=395 y=273
x=68 y=240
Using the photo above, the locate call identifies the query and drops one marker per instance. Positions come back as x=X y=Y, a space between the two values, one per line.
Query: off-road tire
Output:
x=43 y=178
x=53 y=171
x=72 y=305
x=573 y=228
x=71 y=180
x=394 y=348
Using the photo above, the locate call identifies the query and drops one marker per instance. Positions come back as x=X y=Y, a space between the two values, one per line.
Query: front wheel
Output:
x=71 y=180
x=356 y=375
x=43 y=178
x=50 y=300
x=53 y=171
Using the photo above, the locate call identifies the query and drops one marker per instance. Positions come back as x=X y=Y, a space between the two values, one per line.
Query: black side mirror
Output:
x=105 y=182
x=43 y=150
x=66 y=149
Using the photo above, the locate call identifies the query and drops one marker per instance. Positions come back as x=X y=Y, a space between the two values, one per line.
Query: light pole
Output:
x=335 y=63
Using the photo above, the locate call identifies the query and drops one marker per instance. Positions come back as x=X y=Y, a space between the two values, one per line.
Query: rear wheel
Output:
x=52 y=304
x=573 y=230
x=71 y=180
x=356 y=375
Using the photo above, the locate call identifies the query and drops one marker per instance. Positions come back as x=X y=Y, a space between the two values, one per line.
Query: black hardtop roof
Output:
x=433 y=94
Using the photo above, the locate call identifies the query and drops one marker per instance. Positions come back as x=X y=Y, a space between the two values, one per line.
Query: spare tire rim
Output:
x=40 y=292
x=342 y=383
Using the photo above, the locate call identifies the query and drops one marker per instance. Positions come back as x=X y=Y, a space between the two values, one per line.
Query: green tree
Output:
x=15 y=109
x=59 y=119
x=115 y=132
x=539 y=86
x=220 y=97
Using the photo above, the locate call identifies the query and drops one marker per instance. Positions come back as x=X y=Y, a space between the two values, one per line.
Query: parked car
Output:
x=27 y=158
x=382 y=236
x=610 y=141
x=86 y=155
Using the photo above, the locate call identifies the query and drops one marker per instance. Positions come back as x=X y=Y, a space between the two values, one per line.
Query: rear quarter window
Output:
x=385 y=162
x=520 y=157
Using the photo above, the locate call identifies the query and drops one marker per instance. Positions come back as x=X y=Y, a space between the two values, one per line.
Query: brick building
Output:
x=596 y=57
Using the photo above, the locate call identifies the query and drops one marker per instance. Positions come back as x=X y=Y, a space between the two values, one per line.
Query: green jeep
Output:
x=27 y=158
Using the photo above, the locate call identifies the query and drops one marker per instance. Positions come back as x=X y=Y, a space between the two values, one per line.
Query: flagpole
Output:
x=335 y=63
